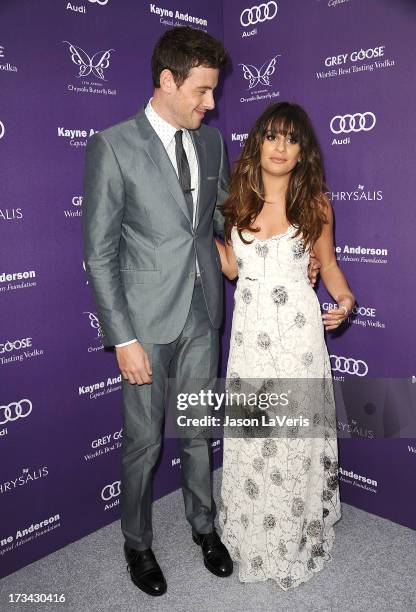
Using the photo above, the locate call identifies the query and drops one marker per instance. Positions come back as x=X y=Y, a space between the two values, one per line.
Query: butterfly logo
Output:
x=95 y=324
x=255 y=76
x=96 y=64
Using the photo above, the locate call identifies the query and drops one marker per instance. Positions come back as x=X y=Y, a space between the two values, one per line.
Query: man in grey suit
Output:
x=152 y=187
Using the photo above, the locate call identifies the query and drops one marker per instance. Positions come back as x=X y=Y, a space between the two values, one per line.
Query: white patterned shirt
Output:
x=166 y=132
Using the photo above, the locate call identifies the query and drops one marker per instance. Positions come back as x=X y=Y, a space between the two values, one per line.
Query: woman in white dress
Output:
x=279 y=496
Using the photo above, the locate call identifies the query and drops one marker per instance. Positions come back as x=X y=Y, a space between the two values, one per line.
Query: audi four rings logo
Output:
x=352 y=123
x=346 y=365
x=2 y=129
x=15 y=410
x=111 y=490
x=257 y=14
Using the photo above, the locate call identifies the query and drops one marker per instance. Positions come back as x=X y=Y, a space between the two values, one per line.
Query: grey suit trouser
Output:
x=192 y=356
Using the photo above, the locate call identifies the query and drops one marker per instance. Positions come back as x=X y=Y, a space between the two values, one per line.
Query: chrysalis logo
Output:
x=259 y=75
x=96 y=64
x=2 y=129
x=94 y=322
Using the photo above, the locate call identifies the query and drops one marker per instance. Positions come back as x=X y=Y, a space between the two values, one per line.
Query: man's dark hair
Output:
x=183 y=48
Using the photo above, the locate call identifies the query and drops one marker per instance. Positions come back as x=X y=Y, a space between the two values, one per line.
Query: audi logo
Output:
x=347 y=365
x=15 y=410
x=352 y=123
x=258 y=14
x=111 y=490
x=2 y=129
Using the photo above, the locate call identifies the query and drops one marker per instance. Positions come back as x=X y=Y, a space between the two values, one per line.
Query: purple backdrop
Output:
x=338 y=58
x=60 y=415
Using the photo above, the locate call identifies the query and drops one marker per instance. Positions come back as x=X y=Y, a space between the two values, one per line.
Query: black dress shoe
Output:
x=145 y=571
x=216 y=557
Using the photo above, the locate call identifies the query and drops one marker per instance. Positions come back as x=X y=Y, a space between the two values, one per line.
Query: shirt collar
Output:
x=166 y=131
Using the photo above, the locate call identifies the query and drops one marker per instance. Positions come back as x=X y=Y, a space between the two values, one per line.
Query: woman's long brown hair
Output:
x=305 y=200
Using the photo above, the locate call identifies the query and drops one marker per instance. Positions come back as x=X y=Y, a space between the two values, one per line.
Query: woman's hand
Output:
x=228 y=259
x=334 y=318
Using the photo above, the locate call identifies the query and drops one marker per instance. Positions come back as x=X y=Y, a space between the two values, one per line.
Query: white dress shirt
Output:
x=166 y=133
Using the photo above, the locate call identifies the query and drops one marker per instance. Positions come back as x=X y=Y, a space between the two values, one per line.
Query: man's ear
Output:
x=167 y=82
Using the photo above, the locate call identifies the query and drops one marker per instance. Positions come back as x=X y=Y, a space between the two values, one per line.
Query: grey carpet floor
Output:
x=373 y=570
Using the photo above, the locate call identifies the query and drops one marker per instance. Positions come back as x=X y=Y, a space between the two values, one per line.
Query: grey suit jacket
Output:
x=139 y=243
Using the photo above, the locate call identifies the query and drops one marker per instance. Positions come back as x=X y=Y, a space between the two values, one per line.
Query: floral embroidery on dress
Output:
x=280 y=495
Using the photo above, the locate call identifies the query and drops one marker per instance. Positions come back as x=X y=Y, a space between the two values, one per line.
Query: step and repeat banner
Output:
x=349 y=63
x=68 y=69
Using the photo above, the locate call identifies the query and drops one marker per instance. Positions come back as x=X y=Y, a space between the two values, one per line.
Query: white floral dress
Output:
x=279 y=497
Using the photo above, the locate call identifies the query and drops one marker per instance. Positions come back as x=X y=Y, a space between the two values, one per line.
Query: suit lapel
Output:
x=157 y=153
x=201 y=155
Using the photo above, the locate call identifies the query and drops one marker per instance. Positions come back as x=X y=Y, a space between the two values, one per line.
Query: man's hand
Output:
x=313 y=268
x=134 y=364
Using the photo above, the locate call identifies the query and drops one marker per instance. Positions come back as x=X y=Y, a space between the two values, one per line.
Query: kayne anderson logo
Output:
x=81 y=9
x=7 y=67
x=28 y=533
x=364 y=60
x=349 y=253
x=255 y=15
x=94 y=66
x=363 y=316
x=259 y=78
x=358 y=195
x=334 y=3
x=357 y=480
x=27 y=476
x=215 y=445
x=9 y=278
x=98 y=389
x=76 y=138
x=12 y=351
x=348 y=124
x=172 y=17
x=240 y=138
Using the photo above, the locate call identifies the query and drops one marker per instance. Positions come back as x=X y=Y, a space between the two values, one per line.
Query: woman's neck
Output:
x=275 y=188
